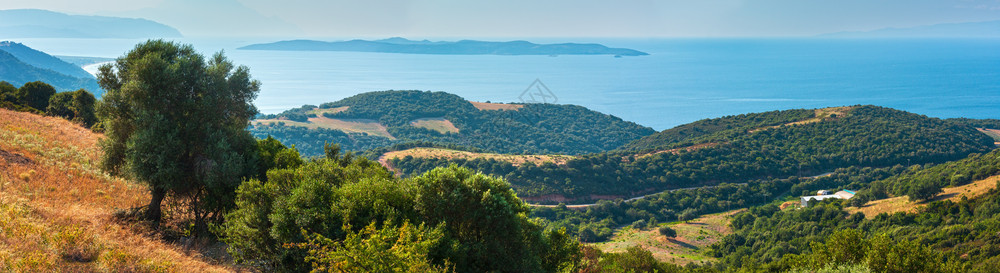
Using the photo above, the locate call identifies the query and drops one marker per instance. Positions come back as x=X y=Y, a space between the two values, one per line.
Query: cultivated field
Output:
x=321 y=111
x=688 y=247
x=368 y=126
x=495 y=106
x=994 y=133
x=454 y=154
x=437 y=124
x=56 y=206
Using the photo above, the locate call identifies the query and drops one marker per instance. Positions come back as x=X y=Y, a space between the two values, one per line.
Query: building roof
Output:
x=821 y=197
x=845 y=194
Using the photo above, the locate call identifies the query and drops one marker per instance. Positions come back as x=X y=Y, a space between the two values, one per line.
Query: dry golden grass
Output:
x=455 y=154
x=368 y=126
x=821 y=115
x=994 y=133
x=903 y=203
x=688 y=247
x=56 y=207
x=321 y=111
x=437 y=124
x=495 y=106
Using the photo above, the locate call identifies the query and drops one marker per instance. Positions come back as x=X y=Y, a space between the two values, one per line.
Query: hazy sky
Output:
x=528 y=18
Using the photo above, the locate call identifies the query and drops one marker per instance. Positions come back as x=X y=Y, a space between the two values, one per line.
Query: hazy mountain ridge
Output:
x=987 y=29
x=463 y=47
x=35 y=23
x=20 y=64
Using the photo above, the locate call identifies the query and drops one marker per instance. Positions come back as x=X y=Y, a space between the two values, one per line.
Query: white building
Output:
x=844 y=194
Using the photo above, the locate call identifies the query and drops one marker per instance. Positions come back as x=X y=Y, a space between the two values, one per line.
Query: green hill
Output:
x=738 y=149
x=379 y=119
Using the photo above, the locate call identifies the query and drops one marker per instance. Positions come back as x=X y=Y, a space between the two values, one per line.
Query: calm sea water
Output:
x=683 y=80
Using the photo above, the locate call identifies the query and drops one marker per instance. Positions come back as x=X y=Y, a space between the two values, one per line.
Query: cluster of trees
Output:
x=944 y=236
x=351 y=214
x=597 y=223
x=531 y=129
x=698 y=131
x=39 y=97
x=979 y=123
x=923 y=183
x=867 y=136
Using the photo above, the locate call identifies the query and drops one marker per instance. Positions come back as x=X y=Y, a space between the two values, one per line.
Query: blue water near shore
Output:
x=683 y=80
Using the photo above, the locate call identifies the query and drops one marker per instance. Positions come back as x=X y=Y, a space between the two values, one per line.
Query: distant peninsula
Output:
x=463 y=47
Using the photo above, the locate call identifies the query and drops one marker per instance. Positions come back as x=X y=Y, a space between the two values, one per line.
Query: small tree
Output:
x=8 y=92
x=668 y=232
x=77 y=106
x=688 y=215
x=35 y=94
x=178 y=123
x=923 y=190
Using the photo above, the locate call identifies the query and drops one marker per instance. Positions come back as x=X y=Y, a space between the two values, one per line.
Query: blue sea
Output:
x=683 y=80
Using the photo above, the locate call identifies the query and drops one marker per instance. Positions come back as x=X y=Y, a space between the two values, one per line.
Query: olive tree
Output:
x=77 y=106
x=35 y=94
x=177 y=122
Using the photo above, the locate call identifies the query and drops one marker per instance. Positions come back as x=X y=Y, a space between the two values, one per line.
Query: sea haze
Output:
x=683 y=80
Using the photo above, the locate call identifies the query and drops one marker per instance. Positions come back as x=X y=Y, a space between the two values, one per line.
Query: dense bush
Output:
x=77 y=106
x=35 y=94
x=345 y=206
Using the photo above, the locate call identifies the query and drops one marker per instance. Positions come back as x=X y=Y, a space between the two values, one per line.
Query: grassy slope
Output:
x=688 y=247
x=903 y=203
x=367 y=126
x=56 y=206
x=495 y=106
x=455 y=154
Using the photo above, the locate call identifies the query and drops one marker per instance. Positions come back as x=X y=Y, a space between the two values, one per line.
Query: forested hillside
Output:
x=378 y=119
x=944 y=236
x=779 y=144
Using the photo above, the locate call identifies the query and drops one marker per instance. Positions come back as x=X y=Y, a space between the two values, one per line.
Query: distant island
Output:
x=36 y=23
x=463 y=47
x=987 y=29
